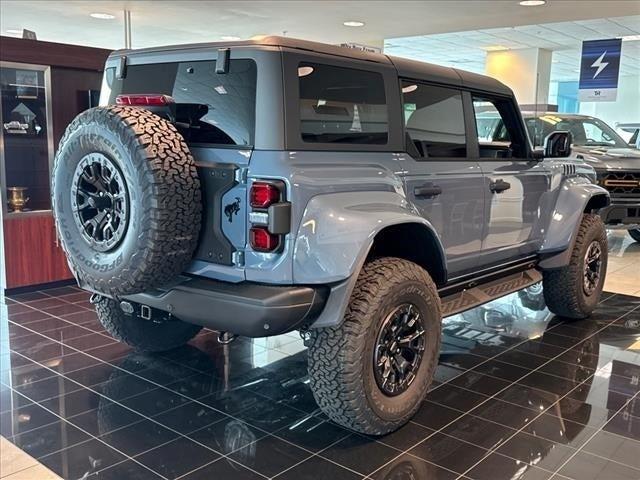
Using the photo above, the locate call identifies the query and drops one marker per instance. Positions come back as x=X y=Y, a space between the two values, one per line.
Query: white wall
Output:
x=625 y=109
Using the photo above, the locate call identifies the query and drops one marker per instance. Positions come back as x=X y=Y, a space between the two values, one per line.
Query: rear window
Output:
x=342 y=105
x=210 y=107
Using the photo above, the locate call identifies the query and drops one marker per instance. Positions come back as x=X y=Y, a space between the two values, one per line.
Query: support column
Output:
x=526 y=71
x=127 y=29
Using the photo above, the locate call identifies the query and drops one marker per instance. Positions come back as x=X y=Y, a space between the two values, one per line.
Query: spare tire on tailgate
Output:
x=126 y=198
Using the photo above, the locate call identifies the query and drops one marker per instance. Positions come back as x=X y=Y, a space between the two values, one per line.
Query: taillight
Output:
x=263 y=195
x=262 y=240
x=144 y=100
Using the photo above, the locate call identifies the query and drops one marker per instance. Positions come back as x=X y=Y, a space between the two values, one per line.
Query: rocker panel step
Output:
x=486 y=292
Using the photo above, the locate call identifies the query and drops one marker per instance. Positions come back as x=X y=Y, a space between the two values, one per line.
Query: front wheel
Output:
x=573 y=291
x=372 y=372
x=635 y=234
x=143 y=335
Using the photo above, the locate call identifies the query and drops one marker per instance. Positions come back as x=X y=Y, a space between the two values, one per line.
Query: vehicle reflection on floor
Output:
x=518 y=393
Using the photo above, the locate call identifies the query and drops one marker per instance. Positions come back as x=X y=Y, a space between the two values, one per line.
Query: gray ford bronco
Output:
x=266 y=186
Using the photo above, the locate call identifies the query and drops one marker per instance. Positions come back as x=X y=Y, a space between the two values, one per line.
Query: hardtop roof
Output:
x=406 y=68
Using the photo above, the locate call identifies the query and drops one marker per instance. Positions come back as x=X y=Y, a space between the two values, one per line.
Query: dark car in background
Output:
x=616 y=162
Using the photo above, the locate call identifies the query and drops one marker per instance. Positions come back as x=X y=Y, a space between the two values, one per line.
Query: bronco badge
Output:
x=232 y=209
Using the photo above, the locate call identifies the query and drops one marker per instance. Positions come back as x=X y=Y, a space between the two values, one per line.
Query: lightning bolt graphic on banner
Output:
x=599 y=64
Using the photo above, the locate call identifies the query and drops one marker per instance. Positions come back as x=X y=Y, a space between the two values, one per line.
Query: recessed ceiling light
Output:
x=532 y=3
x=102 y=15
x=494 y=48
x=13 y=31
x=626 y=38
x=353 y=23
x=259 y=37
x=229 y=38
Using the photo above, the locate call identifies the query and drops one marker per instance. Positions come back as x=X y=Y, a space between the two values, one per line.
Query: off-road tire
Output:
x=341 y=358
x=164 y=199
x=143 y=335
x=635 y=234
x=563 y=288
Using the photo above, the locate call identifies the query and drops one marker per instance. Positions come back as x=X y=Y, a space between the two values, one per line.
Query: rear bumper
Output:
x=247 y=309
x=621 y=212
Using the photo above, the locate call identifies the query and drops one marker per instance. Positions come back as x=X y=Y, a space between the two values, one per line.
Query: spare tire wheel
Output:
x=126 y=199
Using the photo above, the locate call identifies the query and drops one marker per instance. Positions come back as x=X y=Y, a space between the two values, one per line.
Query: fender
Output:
x=573 y=198
x=335 y=236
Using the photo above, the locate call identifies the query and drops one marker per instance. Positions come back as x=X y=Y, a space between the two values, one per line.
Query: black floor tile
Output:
x=435 y=416
x=270 y=416
x=314 y=433
x=480 y=383
x=360 y=454
x=625 y=424
x=139 y=437
x=478 y=431
x=536 y=451
x=317 y=468
x=407 y=437
x=25 y=418
x=49 y=439
x=454 y=397
x=128 y=470
x=449 y=452
x=505 y=371
x=74 y=403
x=505 y=413
x=223 y=468
x=228 y=435
x=585 y=466
x=189 y=417
x=410 y=467
x=615 y=447
x=154 y=402
x=177 y=457
x=48 y=388
x=106 y=418
x=560 y=431
x=497 y=466
x=82 y=459
x=270 y=456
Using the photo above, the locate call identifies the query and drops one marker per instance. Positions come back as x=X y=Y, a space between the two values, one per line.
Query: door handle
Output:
x=427 y=191
x=499 y=186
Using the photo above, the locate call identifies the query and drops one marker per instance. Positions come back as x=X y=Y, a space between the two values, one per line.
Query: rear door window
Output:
x=499 y=133
x=434 y=121
x=340 y=105
x=211 y=107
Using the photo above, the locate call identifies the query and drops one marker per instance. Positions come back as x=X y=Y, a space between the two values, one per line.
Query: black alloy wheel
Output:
x=399 y=349
x=100 y=202
x=592 y=268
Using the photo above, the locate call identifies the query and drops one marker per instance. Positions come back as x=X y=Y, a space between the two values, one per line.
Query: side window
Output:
x=434 y=121
x=342 y=105
x=499 y=135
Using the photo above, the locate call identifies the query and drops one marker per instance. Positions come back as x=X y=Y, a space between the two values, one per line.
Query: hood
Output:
x=609 y=158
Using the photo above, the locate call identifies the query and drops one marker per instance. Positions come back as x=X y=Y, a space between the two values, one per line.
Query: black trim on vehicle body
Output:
x=247 y=309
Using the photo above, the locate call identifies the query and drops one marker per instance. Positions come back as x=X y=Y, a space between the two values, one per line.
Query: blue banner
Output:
x=599 y=70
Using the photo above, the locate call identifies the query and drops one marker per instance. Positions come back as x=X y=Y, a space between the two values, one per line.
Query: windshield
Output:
x=586 y=131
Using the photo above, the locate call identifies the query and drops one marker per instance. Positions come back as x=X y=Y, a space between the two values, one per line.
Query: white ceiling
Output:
x=161 y=22
x=467 y=50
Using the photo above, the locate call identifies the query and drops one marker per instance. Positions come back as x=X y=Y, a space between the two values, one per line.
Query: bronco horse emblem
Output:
x=232 y=209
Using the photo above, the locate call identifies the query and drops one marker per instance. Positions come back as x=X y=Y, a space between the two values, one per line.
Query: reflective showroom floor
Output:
x=518 y=394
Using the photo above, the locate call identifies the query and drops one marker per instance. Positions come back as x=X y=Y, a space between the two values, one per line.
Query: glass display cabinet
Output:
x=26 y=142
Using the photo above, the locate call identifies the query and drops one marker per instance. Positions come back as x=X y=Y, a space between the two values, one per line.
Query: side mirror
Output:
x=558 y=144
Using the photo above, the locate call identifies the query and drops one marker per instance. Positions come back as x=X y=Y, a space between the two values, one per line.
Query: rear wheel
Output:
x=573 y=291
x=372 y=372
x=144 y=335
x=635 y=234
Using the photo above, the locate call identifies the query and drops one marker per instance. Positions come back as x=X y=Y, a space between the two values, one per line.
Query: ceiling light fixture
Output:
x=353 y=23
x=494 y=48
x=304 y=71
x=626 y=38
x=532 y=3
x=13 y=31
x=102 y=16
x=229 y=38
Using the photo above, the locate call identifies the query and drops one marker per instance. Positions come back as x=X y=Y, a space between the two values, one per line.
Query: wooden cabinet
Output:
x=32 y=253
